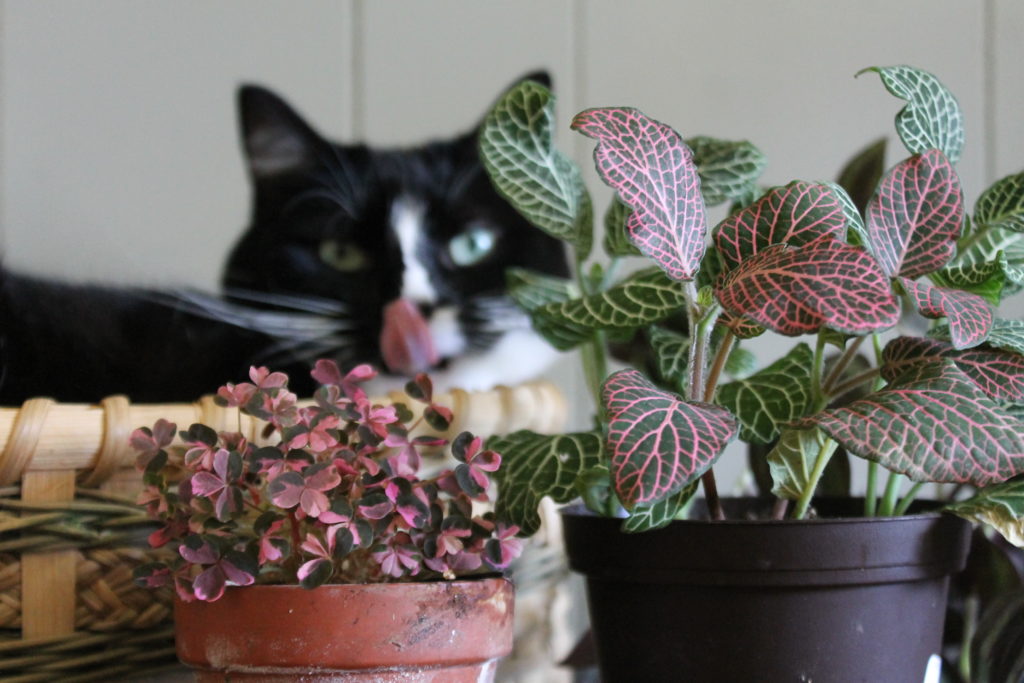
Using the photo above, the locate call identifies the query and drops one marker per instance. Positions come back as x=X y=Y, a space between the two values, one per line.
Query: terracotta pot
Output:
x=825 y=600
x=447 y=631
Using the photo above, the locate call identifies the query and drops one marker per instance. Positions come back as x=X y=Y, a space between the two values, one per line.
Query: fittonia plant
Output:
x=797 y=260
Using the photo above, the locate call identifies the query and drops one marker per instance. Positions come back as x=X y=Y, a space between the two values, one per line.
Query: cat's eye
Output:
x=471 y=246
x=343 y=256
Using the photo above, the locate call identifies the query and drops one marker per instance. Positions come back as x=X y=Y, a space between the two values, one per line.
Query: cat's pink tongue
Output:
x=405 y=341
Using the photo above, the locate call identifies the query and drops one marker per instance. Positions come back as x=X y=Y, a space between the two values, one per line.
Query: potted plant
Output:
x=324 y=554
x=798 y=587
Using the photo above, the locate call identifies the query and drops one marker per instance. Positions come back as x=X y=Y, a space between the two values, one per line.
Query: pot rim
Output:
x=936 y=511
x=377 y=585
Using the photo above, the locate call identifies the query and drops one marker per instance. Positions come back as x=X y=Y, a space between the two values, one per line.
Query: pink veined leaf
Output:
x=652 y=170
x=934 y=425
x=795 y=214
x=797 y=290
x=658 y=443
x=915 y=216
x=970 y=317
x=999 y=373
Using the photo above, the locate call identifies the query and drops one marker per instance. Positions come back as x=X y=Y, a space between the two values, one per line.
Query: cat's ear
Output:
x=275 y=138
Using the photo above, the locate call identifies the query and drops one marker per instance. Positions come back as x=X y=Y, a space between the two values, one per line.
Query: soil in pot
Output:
x=827 y=600
x=444 y=631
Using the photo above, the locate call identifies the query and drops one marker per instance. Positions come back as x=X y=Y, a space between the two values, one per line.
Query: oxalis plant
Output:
x=335 y=498
x=800 y=260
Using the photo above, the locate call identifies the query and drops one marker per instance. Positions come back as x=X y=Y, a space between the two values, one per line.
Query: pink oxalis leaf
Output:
x=934 y=425
x=795 y=214
x=652 y=170
x=999 y=373
x=797 y=290
x=659 y=443
x=915 y=216
x=970 y=317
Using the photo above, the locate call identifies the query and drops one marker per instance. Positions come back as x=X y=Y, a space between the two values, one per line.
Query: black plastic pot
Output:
x=835 y=599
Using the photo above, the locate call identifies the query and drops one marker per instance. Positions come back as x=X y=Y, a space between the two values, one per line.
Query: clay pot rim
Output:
x=376 y=585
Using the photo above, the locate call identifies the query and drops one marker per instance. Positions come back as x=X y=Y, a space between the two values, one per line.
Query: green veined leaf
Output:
x=657 y=515
x=792 y=461
x=616 y=239
x=1002 y=205
x=996 y=652
x=728 y=169
x=1000 y=506
x=932 y=117
x=767 y=399
x=646 y=297
x=856 y=233
x=1005 y=334
x=671 y=350
x=741 y=363
x=532 y=290
x=539 y=181
x=536 y=465
x=986 y=279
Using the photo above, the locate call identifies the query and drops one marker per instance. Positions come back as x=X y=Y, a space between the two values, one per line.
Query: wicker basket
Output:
x=70 y=533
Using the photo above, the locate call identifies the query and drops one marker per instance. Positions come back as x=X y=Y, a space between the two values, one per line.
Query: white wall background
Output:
x=119 y=156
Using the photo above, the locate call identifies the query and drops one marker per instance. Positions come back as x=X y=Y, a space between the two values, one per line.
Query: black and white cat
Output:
x=394 y=257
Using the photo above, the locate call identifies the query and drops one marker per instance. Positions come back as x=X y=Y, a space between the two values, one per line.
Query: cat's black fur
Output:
x=317 y=206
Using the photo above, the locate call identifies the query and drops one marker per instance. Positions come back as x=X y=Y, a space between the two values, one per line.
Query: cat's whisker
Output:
x=305 y=304
x=284 y=324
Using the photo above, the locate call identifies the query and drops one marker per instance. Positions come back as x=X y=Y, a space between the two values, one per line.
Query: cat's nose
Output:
x=406 y=344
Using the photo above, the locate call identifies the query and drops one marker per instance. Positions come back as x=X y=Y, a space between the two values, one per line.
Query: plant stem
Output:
x=871 y=492
x=828 y=447
x=817 y=394
x=892 y=492
x=715 y=510
x=700 y=337
x=908 y=499
x=779 y=508
x=854 y=382
x=721 y=356
x=849 y=353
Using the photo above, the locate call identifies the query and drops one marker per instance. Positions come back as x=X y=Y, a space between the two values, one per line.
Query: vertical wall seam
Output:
x=357 y=56
x=989 y=96
x=3 y=125
x=578 y=64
